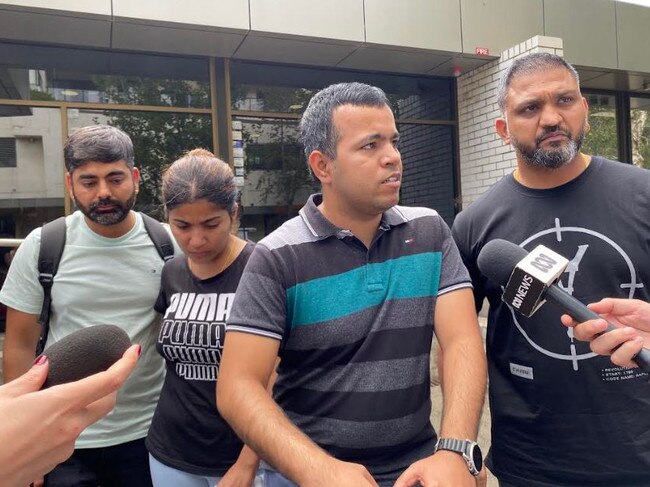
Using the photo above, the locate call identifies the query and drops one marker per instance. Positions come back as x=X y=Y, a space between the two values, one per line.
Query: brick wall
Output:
x=484 y=158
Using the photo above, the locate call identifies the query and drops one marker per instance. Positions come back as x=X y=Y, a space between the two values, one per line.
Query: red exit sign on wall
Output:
x=482 y=51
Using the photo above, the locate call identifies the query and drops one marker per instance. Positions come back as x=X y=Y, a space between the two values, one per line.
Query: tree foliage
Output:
x=640 y=132
x=158 y=138
x=602 y=138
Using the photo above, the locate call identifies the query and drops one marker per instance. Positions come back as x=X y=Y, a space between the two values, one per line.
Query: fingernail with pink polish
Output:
x=40 y=360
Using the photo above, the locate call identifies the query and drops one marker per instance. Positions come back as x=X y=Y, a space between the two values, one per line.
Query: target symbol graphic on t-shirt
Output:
x=593 y=256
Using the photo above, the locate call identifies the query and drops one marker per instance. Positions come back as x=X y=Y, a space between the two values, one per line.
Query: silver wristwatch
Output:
x=468 y=449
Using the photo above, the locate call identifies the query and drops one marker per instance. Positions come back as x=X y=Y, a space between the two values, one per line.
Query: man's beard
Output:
x=557 y=155
x=113 y=217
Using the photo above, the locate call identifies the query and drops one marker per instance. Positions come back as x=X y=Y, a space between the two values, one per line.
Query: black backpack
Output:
x=49 y=256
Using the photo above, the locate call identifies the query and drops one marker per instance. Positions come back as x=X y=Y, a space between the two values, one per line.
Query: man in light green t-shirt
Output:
x=109 y=273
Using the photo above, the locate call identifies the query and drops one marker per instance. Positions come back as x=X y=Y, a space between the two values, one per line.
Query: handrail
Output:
x=10 y=242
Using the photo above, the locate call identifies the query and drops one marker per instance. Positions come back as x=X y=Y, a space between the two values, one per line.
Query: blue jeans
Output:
x=275 y=479
x=124 y=465
x=165 y=476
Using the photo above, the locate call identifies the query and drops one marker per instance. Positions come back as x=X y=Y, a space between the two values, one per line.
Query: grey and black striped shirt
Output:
x=356 y=326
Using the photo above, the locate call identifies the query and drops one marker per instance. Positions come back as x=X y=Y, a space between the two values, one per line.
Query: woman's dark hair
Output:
x=199 y=175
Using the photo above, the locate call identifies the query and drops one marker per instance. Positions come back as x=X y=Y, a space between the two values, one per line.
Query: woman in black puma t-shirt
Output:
x=189 y=442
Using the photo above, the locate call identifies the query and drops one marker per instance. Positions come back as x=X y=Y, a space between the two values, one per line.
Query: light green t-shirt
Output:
x=100 y=281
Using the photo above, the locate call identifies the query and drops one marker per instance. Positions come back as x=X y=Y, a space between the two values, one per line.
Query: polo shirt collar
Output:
x=322 y=228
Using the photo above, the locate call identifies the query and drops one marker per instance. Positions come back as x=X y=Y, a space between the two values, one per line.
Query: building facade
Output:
x=235 y=75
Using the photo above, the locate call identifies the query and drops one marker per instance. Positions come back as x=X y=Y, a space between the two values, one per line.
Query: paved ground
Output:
x=436 y=396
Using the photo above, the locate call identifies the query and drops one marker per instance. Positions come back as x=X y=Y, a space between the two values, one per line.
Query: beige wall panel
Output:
x=426 y=24
x=588 y=28
x=60 y=29
x=633 y=28
x=231 y=14
x=98 y=7
x=329 y=19
x=500 y=24
x=131 y=35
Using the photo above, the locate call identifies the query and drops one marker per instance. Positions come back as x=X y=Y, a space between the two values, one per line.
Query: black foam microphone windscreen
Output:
x=498 y=258
x=85 y=352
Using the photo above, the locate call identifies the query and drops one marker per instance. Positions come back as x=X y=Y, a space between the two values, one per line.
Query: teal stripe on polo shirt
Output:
x=332 y=297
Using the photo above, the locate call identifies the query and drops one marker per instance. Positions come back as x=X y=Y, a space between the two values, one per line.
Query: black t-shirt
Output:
x=187 y=432
x=562 y=416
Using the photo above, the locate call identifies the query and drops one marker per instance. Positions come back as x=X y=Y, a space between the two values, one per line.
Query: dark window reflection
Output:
x=284 y=89
x=78 y=75
x=276 y=181
x=428 y=157
x=272 y=144
x=7 y=151
x=158 y=140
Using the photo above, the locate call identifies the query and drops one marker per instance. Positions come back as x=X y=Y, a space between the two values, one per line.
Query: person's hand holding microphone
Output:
x=46 y=409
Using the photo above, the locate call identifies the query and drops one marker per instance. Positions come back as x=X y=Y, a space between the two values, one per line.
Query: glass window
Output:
x=78 y=75
x=276 y=179
x=31 y=192
x=276 y=182
x=285 y=89
x=158 y=139
x=271 y=144
x=7 y=152
x=602 y=138
x=428 y=158
x=640 y=131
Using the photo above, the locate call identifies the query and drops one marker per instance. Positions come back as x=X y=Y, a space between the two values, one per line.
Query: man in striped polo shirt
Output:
x=347 y=295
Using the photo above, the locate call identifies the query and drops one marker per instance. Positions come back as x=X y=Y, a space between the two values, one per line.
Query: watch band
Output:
x=452 y=444
x=468 y=449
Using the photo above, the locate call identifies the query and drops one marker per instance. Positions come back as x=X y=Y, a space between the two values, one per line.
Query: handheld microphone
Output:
x=507 y=264
x=85 y=352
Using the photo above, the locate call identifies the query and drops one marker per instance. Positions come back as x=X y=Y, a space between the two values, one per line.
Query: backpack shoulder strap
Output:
x=159 y=236
x=49 y=256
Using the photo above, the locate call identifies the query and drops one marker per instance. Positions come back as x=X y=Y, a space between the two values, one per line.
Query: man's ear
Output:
x=68 y=185
x=501 y=126
x=319 y=165
x=136 y=179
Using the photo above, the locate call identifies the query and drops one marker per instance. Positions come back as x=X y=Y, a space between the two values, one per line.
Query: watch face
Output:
x=477 y=457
